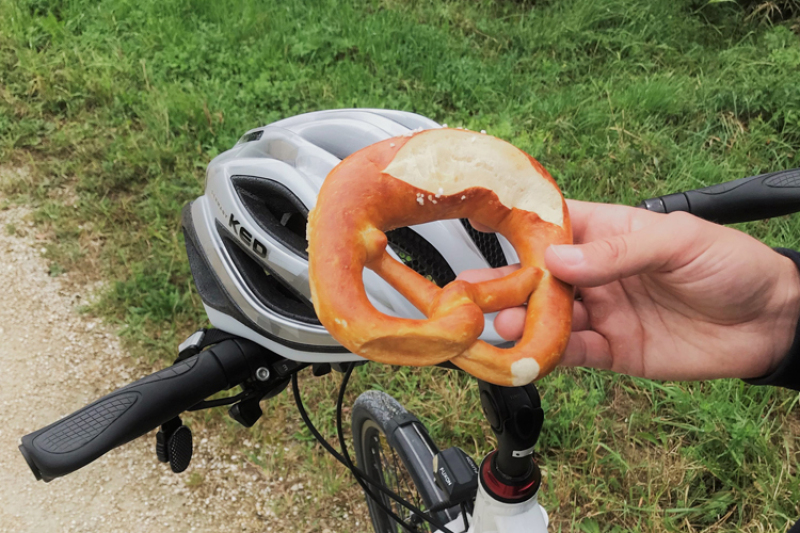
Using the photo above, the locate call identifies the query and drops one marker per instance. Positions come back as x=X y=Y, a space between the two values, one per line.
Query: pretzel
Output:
x=433 y=175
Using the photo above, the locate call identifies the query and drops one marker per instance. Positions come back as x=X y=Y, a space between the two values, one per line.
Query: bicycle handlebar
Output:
x=131 y=411
x=742 y=200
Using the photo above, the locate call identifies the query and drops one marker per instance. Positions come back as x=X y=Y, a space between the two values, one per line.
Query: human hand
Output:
x=668 y=296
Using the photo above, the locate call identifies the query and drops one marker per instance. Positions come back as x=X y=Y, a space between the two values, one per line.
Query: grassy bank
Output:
x=118 y=106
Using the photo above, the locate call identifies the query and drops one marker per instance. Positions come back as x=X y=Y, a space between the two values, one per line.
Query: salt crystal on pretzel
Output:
x=480 y=177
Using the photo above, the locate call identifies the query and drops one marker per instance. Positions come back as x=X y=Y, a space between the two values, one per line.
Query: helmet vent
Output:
x=488 y=244
x=266 y=287
x=276 y=210
x=283 y=216
x=420 y=255
x=250 y=137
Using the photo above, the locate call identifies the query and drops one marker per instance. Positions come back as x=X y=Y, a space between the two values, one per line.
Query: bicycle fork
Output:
x=494 y=516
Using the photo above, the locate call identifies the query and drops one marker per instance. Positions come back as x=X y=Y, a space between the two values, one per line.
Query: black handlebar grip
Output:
x=743 y=200
x=78 y=439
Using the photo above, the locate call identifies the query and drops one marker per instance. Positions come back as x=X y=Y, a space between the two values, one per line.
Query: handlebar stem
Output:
x=516 y=417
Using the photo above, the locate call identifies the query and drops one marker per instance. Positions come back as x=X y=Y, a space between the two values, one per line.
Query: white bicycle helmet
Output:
x=246 y=236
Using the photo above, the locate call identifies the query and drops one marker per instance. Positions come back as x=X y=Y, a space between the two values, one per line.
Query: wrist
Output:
x=787 y=312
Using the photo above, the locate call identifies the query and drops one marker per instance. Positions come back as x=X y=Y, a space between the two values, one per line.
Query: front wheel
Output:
x=393 y=448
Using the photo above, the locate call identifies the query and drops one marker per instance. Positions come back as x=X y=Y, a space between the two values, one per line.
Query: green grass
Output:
x=116 y=107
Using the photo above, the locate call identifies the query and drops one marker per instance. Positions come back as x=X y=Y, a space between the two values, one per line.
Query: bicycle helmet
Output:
x=246 y=236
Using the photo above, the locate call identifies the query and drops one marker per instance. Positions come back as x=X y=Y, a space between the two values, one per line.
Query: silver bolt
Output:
x=262 y=374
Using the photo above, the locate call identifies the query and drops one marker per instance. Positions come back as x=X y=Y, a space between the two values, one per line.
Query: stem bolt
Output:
x=262 y=374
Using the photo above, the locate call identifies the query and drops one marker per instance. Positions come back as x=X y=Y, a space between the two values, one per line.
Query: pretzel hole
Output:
x=421 y=256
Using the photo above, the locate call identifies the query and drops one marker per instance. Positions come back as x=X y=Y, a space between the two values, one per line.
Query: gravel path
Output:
x=53 y=361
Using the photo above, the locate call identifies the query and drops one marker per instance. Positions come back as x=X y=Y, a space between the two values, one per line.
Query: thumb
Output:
x=605 y=260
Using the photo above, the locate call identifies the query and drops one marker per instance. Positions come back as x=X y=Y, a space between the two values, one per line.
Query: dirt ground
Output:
x=53 y=361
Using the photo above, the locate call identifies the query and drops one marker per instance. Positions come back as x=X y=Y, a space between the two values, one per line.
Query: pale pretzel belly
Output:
x=433 y=175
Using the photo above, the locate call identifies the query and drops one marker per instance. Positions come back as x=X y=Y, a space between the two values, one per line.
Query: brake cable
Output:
x=345 y=459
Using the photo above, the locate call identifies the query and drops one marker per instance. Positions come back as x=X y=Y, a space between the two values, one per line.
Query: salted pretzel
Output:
x=433 y=175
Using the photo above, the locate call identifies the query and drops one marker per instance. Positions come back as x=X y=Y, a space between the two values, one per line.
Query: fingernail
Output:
x=569 y=255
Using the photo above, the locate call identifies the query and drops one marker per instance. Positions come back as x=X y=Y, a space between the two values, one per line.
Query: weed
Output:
x=195 y=479
x=56 y=270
